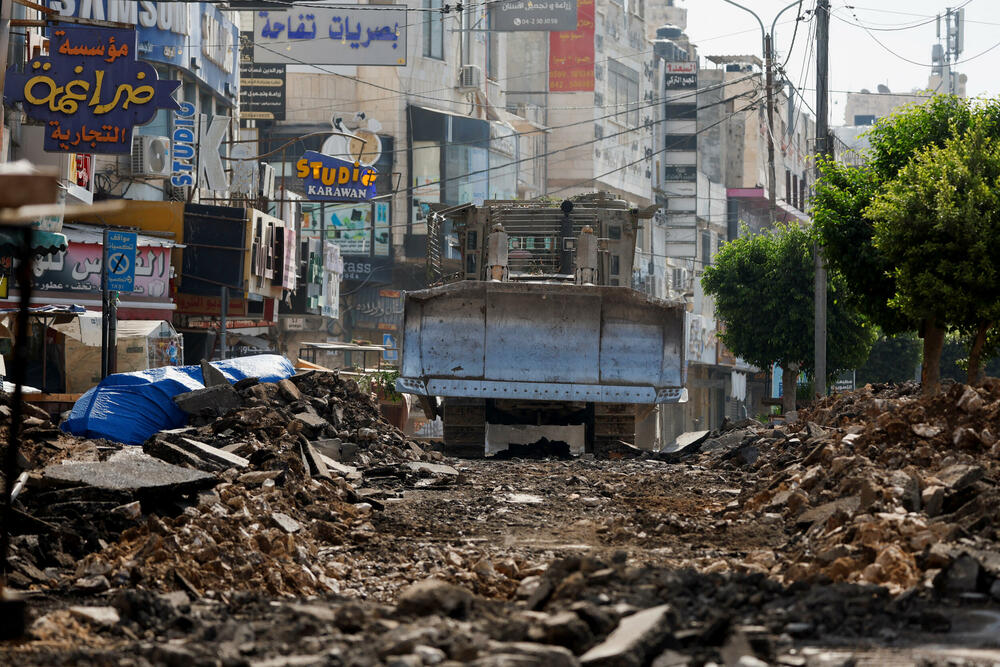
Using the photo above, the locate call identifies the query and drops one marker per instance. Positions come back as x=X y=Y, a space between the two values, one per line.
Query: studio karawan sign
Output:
x=327 y=178
x=90 y=90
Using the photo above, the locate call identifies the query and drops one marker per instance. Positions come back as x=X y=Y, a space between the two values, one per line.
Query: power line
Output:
x=904 y=58
x=897 y=27
x=586 y=121
x=749 y=107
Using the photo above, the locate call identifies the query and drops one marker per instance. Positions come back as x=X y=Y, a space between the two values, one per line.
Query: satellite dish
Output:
x=336 y=146
x=365 y=147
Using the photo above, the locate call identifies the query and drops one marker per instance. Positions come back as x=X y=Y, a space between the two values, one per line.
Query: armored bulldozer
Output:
x=539 y=334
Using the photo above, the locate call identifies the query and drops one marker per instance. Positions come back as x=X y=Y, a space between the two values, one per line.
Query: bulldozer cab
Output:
x=541 y=239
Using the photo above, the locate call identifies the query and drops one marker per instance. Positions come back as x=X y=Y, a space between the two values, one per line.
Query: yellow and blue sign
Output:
x=327 y=178
x=91 y=90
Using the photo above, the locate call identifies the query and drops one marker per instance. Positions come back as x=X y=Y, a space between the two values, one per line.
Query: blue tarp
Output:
x=130 y=407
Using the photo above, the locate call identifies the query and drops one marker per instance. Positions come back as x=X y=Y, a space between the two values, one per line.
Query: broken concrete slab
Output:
x=212 y=376
x=99 y=616
x=312 y=460
x=431 y=469
x=258 y=477
x=958 y=476
x=136 y=472
x=637 y=638
x=289 y=391
x=350 y=472
x=216 y=400
x=210 y=453
x=312 y=421
x=527 y=653
x=285 y=522
x=171 y=453
x=434 y=596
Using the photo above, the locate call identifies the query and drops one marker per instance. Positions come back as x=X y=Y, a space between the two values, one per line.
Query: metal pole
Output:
x=6 y=8
x=112 y=333
x=769 y=83
x=18 y=372
x=222 y=322
x=823 y=148
x=767 y=49
x=104 y=305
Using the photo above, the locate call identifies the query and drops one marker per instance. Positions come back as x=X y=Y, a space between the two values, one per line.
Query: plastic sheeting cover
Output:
x=130 y=407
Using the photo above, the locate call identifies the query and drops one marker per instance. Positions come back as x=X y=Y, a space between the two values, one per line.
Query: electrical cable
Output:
x=897 y=27
x=904 y=58
x=585 y=121
x=749 y=107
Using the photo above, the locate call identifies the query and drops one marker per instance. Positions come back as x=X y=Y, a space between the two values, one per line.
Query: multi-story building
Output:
x=596 y=96
x=436 y=124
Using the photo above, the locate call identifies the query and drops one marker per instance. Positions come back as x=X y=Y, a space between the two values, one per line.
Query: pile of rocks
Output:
x=880 y=486
x=259 y=493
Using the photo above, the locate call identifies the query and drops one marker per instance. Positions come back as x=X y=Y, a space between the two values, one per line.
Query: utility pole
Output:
x=767 y=44
x=769 y=84
x=823 y=149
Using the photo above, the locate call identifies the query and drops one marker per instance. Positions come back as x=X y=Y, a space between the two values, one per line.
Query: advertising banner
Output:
x=194 y=36
x=90 y=90
x=517 y=15
x=571 y=54
x=262 y=87
x=336 y=35
x=326 y=178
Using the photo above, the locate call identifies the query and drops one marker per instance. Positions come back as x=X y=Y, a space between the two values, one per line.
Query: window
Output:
x=623 y=93
x=492 y=50
x=433 y=31
x=706 y=248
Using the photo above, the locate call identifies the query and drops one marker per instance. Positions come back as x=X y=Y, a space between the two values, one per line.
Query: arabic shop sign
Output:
x=517 y=15
x=338 y=35
x=262 y=87
x=195 y=36
x=78 y=269
x=326 y=178
x=90 y=90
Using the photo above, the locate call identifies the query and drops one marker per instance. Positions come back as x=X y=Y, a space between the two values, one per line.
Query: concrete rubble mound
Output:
x=878 y=486
x=257 y=493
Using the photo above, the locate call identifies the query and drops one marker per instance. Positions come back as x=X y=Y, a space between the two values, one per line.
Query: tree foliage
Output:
x=850 y=199
x=763 y=290
x=937 y=224
x=893 y=358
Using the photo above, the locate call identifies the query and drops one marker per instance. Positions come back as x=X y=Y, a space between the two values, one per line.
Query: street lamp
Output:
x=767 y=46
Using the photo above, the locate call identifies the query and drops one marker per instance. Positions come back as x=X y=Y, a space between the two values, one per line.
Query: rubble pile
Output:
x=577 y=611
x=880 y=486
x=260 y=492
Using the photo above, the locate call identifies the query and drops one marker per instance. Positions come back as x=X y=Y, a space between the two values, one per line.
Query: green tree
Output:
x=893 y=358
x=763 y=290
x=937 y=224
x=845 y=193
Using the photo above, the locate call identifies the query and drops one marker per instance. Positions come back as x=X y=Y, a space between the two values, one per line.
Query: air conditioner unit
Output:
x=150 y=156
x=679 y=280
x=470 y=78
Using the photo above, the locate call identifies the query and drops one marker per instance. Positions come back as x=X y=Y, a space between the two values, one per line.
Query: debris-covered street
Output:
x=296 y=527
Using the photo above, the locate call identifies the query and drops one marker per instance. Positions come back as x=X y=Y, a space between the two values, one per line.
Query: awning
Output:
x=42 y=311
x=80 y=233
x=42 y=243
